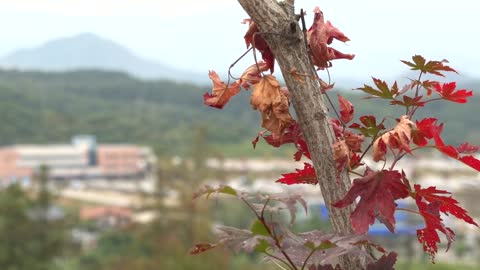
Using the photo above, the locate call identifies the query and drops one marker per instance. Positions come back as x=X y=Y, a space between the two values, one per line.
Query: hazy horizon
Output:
x=199 y=37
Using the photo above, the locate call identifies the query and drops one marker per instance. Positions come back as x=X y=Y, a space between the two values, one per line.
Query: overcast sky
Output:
x=207 y=34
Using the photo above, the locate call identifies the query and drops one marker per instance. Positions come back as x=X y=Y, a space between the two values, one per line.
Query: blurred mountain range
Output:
x=89 y=51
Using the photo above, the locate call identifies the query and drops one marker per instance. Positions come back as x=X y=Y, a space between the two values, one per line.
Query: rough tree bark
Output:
x=281 y=30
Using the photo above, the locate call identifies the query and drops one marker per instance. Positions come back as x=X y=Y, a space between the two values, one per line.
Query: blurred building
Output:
x=82 y=159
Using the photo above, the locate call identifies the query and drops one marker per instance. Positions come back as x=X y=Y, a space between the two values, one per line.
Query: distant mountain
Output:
x=89 y=51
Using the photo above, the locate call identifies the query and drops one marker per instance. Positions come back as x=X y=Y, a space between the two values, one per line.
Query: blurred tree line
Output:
x=33 y=233
x=38 y=107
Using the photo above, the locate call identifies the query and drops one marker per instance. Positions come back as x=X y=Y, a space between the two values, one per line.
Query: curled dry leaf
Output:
x=346 y=109
x=271 y=101
x=319 y=36
x=254 y=38
x=354 y=141
x=341 y=151
x=221 y=92
x=252 y=74
x=398 y=138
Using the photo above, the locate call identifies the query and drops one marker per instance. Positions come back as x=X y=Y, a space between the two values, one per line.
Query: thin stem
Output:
x=370 y=145
x=251 y=208
x=397 y=158
x=308 y=258
x=254 y=51
x=433 y=99
x=264 y=206
x=414 y=108
x=418 y=85
x=417 y=148
x=304 y=28
x=236 y=61
x=354 y=172
x=279 y=259
x=366 y=150
x=407 y=210
x=273 y=235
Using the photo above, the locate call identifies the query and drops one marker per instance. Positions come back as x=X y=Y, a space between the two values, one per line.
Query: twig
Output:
x=279 y=259
x=407 y=210
x=308 y=258
x=236 y=61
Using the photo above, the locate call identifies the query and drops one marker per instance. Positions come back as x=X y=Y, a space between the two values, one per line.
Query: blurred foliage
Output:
x=30 y=238
x=38 y=107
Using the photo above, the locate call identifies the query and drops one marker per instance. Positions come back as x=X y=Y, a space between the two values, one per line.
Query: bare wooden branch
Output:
x=290 y=52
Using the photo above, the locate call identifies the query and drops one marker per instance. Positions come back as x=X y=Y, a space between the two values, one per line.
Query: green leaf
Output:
x=382 y=91
x=227 y=190
x=370 y=127
x=208 y=190
x=262 y=246
x=259 y=229
x=326 y=244
x=432 y=67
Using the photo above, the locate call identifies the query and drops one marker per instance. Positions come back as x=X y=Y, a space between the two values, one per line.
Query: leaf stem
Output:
x=273 y=235
x=236 y=61
x=308 y=258
x=354 y=172
x=270 y=232
x=408 y=210
x=279 y=259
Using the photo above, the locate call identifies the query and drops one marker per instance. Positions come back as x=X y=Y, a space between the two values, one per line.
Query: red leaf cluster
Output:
x=447 y=91
x=378 y=191
x=346 y=147
x=292 y=134
x=306 y=175
x=428 y=129
x=319 y=36
x=431 y=202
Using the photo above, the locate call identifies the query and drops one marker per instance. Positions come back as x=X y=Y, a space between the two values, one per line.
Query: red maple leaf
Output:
x=346 y=109
x=423 y=131
x=254 y=38
x=428 y=129
x=447 y=91
x=378 y=192
x=431 y=202
x=292 y=134
x=301 y=176
x=448 y=205
x=221 y=92
x=319 y=36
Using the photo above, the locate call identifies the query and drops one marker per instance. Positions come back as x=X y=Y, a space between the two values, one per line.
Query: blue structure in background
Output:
x=402 y=226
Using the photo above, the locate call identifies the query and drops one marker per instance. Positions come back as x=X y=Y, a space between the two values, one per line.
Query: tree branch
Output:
x=309 y=105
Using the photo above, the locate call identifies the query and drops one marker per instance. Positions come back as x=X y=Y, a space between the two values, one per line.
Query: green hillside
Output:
x=40 y=107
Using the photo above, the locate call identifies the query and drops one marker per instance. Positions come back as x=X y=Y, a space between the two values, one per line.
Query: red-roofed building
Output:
x=82 y=159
